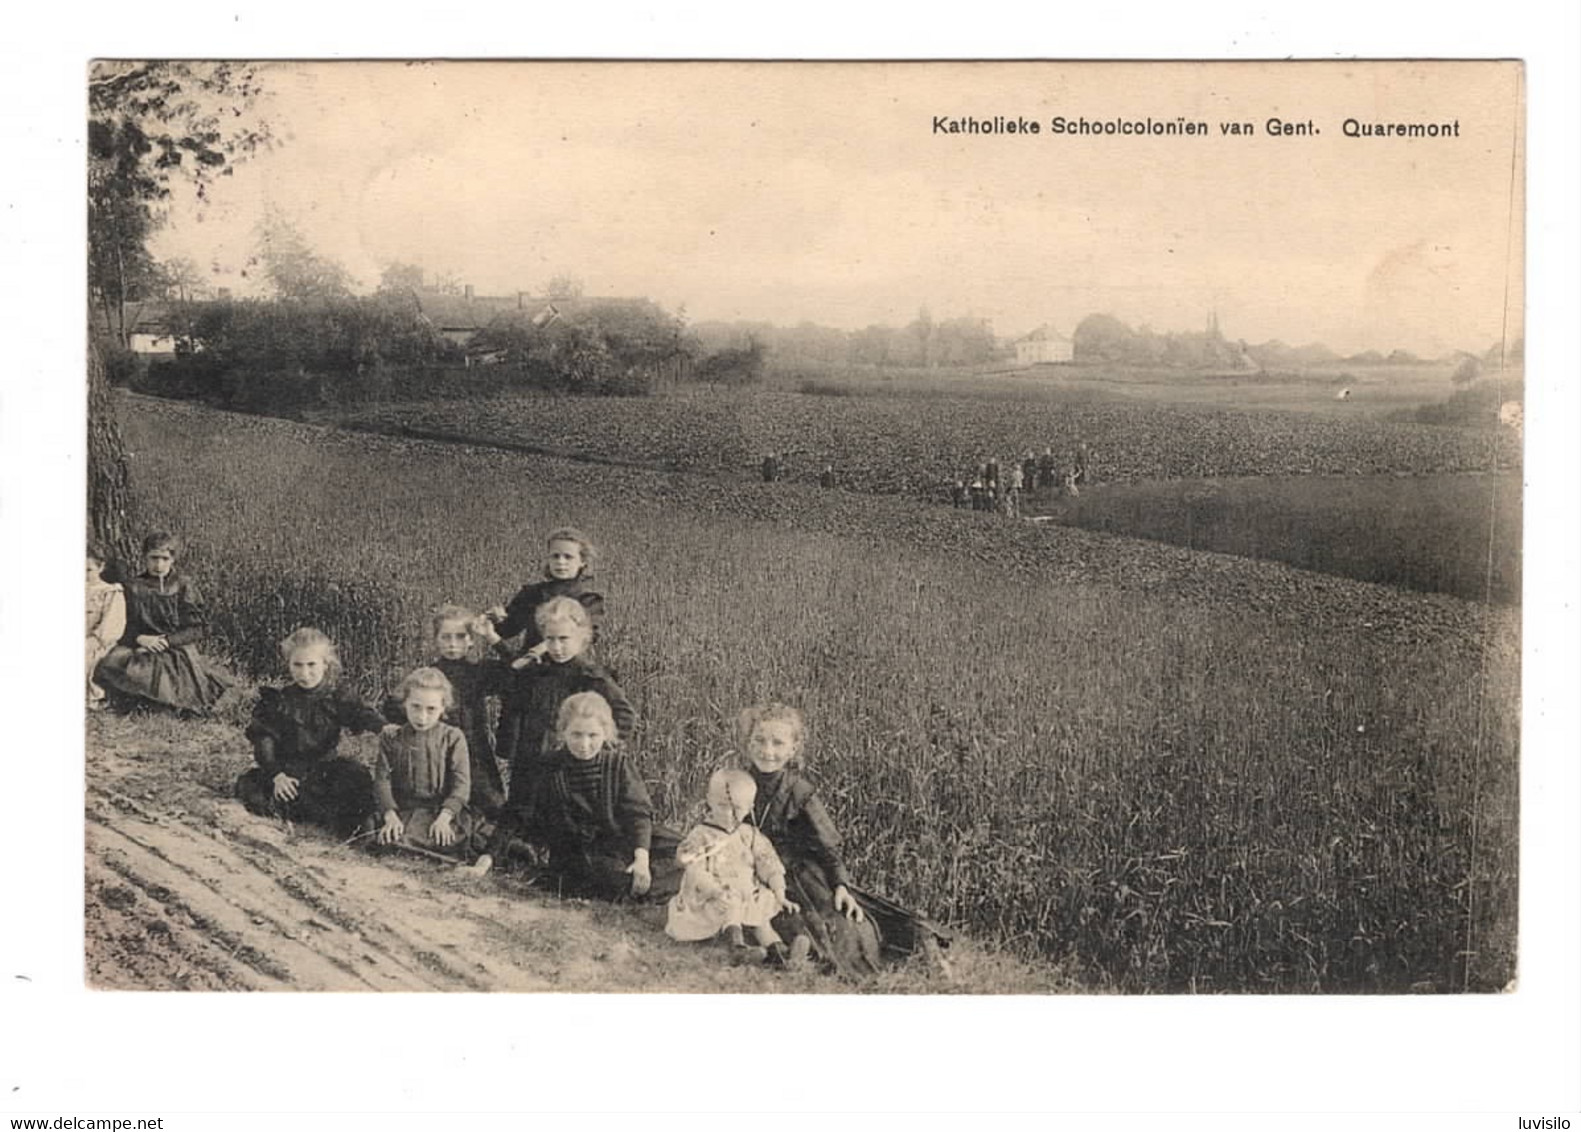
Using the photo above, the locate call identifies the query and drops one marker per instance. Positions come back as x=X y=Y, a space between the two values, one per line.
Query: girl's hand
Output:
x=442 y=832
x=393 y=828
x=495 y=613
x=524 y=662
x=481 y=626
x=846 y=903
x=153 y=642
x=390 y=729
x=789 y=905
x=285 y=787
x=641 y=876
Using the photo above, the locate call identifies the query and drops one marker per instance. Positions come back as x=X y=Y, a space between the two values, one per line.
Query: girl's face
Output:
x=584 y=737
x=564 y=640
x=772 y=745
x=453 y=639
x=565 y=559
x=308 y=667
x=95 y=571
x=159 y=561
x=424 y=707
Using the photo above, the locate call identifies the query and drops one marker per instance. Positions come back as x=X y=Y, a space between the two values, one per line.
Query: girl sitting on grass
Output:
x=295 y=736
x=422 y=779
x=157 y=659
x=592 y=811
x=106 y=619
x=846 y=928
x=458 y=637
x=734 y=878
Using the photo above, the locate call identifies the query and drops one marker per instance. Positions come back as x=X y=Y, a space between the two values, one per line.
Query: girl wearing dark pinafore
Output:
x=567 y=573
x=537 y=691
x=850 y=930
x=295 y=735
x=157 y=657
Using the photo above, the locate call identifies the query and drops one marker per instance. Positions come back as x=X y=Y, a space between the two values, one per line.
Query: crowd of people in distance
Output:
x=1002 y=490
x=990 y=486
x=762 y=871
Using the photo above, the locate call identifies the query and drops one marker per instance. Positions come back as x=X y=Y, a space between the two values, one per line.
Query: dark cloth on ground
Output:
x=332 y=793
x=180 y=677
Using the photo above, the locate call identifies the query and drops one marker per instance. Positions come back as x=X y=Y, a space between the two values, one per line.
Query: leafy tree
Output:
x=400 y=279
x=149 y=124
x=1103 y=338
x=563 y=285
x=295 y=271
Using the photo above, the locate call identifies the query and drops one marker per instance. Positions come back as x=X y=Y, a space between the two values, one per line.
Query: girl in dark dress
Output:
x=458 y=637
x=568 y=572
x=157 y=658
x=536 y=693
x=593 y=813
x=295 y=736
x=849 y=930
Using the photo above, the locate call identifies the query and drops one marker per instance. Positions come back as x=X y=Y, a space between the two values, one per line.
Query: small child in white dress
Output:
x=734 y=878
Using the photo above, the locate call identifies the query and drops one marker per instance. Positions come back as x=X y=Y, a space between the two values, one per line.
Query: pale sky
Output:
x=787 y=192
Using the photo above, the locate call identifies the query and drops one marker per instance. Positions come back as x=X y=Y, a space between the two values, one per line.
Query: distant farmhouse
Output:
x=460 y=318
x=149 y=332
x=1044 y=346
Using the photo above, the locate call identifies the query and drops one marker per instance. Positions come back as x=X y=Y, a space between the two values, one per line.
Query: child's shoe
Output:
x=748 y=954
x=792 y=957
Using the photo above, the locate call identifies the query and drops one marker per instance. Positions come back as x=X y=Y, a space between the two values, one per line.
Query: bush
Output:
x=121 y=365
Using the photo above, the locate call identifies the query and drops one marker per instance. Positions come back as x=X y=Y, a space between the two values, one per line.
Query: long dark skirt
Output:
x=333 y=793
x=599 y=871
x=853 y=949
x=180 y=677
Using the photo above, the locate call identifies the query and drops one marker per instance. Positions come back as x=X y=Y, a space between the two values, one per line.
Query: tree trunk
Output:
x=110 y=509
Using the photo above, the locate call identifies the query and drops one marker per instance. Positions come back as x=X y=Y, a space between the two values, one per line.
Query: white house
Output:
x=1044 y=346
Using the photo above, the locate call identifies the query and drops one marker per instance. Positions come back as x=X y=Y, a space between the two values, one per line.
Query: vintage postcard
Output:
x=1012 y=528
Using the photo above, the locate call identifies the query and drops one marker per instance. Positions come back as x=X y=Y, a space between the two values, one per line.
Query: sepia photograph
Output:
x=1037 y=528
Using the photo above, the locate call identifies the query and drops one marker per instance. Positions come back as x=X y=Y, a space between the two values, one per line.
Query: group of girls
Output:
x=763 y=871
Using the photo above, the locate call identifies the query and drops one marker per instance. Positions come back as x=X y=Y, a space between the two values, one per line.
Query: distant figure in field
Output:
x=1070 y=491
x=157 y=658
x=991 y=474
x=106 y=605
x=1013 y=491
x=295 y=736
x=1029 y=471
x=979 y=495
x=1046 y=468
x=422 y=781
x=959 y=496
x=826 y=477
x=1083 y=468
x=771 y=468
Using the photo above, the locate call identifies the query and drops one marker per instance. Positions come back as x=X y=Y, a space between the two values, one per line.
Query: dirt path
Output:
x=185 y=890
